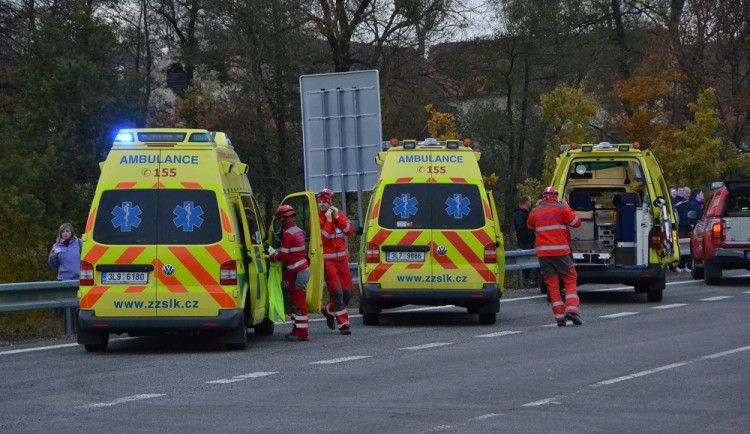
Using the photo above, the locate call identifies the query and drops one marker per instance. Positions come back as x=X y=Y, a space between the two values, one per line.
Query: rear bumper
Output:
x=431 y=297
x=228 y=319
x=627 y=276
x=731 y=257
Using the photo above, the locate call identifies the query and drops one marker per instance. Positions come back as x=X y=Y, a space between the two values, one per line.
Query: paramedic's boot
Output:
x=561 y=323
x=295 y=338
x=330 y=321
x=574 y=317
x=345 y=330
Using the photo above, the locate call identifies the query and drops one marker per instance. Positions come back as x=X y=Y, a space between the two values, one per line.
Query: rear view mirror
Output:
x=660 y=202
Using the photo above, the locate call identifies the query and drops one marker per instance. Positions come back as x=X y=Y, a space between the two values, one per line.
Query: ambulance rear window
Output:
x=431 y=206
x=150 y=217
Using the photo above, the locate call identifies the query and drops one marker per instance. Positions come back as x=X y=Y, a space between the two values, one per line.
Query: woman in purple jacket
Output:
x=66 y=254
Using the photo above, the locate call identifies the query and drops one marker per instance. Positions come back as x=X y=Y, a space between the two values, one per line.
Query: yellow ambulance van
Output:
x=432 y=234
x=628 y=233
x=174 y=241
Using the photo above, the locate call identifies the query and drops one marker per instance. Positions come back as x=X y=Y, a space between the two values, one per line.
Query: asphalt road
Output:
x=676 y=366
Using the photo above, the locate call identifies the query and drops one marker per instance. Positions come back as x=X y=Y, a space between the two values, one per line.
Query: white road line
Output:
x=669 y=306
x=486 y=416
x=425 y=346
x=718 y=297
x=497 y=334
x=618 y=315
x=242 y=377
x=123 y=400
x=556 y=399
x=339 y=360
x=28 y=350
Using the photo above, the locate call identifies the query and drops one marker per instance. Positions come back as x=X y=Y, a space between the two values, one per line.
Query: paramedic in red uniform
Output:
x=293 y=257
x=551 y=221
x=334 y=228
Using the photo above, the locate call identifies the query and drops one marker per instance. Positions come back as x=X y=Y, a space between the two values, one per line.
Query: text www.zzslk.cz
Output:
x=157 y=304
x=433 y=279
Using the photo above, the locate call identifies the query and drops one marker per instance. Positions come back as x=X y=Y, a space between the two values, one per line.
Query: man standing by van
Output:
x=551 y=221
x=293 y=256
x=334 y=227
x=524 y=236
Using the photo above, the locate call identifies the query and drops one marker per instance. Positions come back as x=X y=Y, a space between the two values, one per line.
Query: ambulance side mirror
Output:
x=357 y=228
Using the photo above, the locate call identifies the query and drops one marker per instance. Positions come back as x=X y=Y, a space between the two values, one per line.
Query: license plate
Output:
x=404 y=256
x=132 y=277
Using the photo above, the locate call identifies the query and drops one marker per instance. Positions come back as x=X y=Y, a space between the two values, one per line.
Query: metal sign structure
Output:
x=341 y=131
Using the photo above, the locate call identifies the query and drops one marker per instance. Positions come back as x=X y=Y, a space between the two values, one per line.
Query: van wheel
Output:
x=370 y=318
x=487 y=318
x=265 y=328
x=696 y=271
x=655 y=296
x=100 y=346
x=711 y=273
x=236 y=339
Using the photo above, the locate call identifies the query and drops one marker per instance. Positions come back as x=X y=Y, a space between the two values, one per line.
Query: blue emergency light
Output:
x=124 y=137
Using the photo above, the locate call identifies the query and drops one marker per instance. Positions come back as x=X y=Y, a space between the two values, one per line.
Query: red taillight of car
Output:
x=490 y=253
x=228 y=274
x=373 y=253
x=717 y=233
x=86 y=276
x=656 y=240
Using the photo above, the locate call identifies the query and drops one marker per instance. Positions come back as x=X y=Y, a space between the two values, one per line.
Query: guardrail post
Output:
x=69 y=322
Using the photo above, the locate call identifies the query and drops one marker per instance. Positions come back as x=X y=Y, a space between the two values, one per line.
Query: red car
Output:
x=721 y=239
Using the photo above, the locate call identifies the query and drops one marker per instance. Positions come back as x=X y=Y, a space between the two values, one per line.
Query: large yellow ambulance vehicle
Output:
x=174 y=241
x=432 y=235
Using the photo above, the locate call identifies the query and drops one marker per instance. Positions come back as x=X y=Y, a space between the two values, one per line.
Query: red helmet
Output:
x=326 y=194
x=550 y=193
x=284 y=211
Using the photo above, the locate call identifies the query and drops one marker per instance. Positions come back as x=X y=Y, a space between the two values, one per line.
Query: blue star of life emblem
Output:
x=406 y=205
x=188 y=216
x=126 y=216
x=458 y=206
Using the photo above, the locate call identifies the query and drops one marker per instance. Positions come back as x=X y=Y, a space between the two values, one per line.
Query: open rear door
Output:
x=306 y=216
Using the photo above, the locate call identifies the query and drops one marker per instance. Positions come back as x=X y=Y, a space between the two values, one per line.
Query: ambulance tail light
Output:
x=373 y=253
x=228 y=273
x=656 y=239
x=490 y=253
x=86 y=277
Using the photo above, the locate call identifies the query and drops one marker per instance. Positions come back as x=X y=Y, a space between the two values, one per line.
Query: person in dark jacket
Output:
x=524 y=236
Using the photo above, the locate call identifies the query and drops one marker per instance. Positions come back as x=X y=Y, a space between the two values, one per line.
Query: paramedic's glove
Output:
x=329 y=214
x=267 y=257
x=334 y=210
x=271 y=250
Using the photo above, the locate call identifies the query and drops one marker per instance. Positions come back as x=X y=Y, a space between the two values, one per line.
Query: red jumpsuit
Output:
x=551 y=221
x=293 y=256
x=337 y=274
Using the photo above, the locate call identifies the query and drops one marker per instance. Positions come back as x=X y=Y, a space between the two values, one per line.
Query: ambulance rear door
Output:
x=305 y=207
x=190 y=254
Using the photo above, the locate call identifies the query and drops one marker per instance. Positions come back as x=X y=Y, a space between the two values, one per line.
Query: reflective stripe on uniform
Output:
x=549 y=228
x=563 y=246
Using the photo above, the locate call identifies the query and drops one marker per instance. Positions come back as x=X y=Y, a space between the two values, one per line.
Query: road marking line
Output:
x=123 y=400
x=556 y=399
x=618 y=315
x=670 y=306
x=339 y=360
x=718 y=297
x=242 y=377
x=28 y=350
x=497 y=334
x=486 y=416
x=425 y=346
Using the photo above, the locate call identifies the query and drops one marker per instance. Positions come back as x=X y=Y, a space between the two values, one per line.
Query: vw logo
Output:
x=167 y=270
x=442 y=250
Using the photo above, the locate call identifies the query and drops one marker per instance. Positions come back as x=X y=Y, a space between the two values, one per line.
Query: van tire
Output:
x=711 y=273
x=265 y=328
x=487 y=318
x=655 y=296
x=237 y=338
x=696 y=271
x=370 y=318
x=100 y=346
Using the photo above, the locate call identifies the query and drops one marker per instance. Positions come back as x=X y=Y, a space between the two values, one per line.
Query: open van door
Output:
x=305 y=207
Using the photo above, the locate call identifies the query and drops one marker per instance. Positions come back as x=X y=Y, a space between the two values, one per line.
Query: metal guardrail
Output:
x=18 y=297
